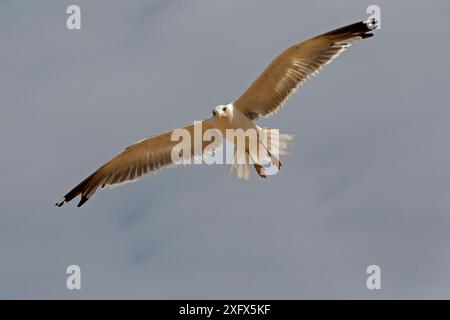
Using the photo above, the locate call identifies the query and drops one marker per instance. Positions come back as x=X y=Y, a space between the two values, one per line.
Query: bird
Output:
x=265 y=96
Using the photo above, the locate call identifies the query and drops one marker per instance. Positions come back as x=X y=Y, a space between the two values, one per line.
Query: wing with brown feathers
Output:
x=292 y=67
x=137 y=160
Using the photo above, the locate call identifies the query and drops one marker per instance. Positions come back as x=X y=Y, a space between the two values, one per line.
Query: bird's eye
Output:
x=224 y=109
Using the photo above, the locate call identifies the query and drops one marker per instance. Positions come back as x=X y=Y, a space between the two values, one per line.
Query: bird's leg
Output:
x=276 y=162
x=260 y=170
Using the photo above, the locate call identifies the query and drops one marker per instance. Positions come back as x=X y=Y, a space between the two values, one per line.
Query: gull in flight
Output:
x=266 y=95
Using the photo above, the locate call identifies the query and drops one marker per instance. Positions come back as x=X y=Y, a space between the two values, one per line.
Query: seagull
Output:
x=265 y=96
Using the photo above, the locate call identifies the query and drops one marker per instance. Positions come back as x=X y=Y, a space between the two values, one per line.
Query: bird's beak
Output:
x=217 y=115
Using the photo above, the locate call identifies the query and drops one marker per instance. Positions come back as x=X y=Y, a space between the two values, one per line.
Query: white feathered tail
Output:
x=271 y=144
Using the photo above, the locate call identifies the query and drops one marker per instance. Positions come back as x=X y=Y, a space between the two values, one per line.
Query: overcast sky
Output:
x=367 y=180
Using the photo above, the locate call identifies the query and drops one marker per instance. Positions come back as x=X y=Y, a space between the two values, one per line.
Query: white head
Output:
x=223 y=111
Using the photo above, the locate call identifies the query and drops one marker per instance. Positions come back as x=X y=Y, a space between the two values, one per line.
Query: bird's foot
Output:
x=260 y=170
x=276 y=162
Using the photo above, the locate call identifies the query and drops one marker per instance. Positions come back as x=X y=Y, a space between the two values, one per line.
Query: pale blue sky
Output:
x=367 y=180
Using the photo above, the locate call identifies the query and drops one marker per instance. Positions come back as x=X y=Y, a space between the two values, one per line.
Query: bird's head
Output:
x=223 y=111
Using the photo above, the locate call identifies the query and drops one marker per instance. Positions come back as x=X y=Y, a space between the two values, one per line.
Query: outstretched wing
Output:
x=292 y=67
x=140 y=158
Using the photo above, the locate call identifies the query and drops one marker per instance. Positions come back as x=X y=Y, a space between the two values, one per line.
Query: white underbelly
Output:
x=239 y=121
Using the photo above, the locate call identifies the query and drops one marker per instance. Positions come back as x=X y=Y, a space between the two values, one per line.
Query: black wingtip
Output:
x=371 y=24
x=82 y=201
x=362 y=28
x=60 y=202
x=366 y=35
